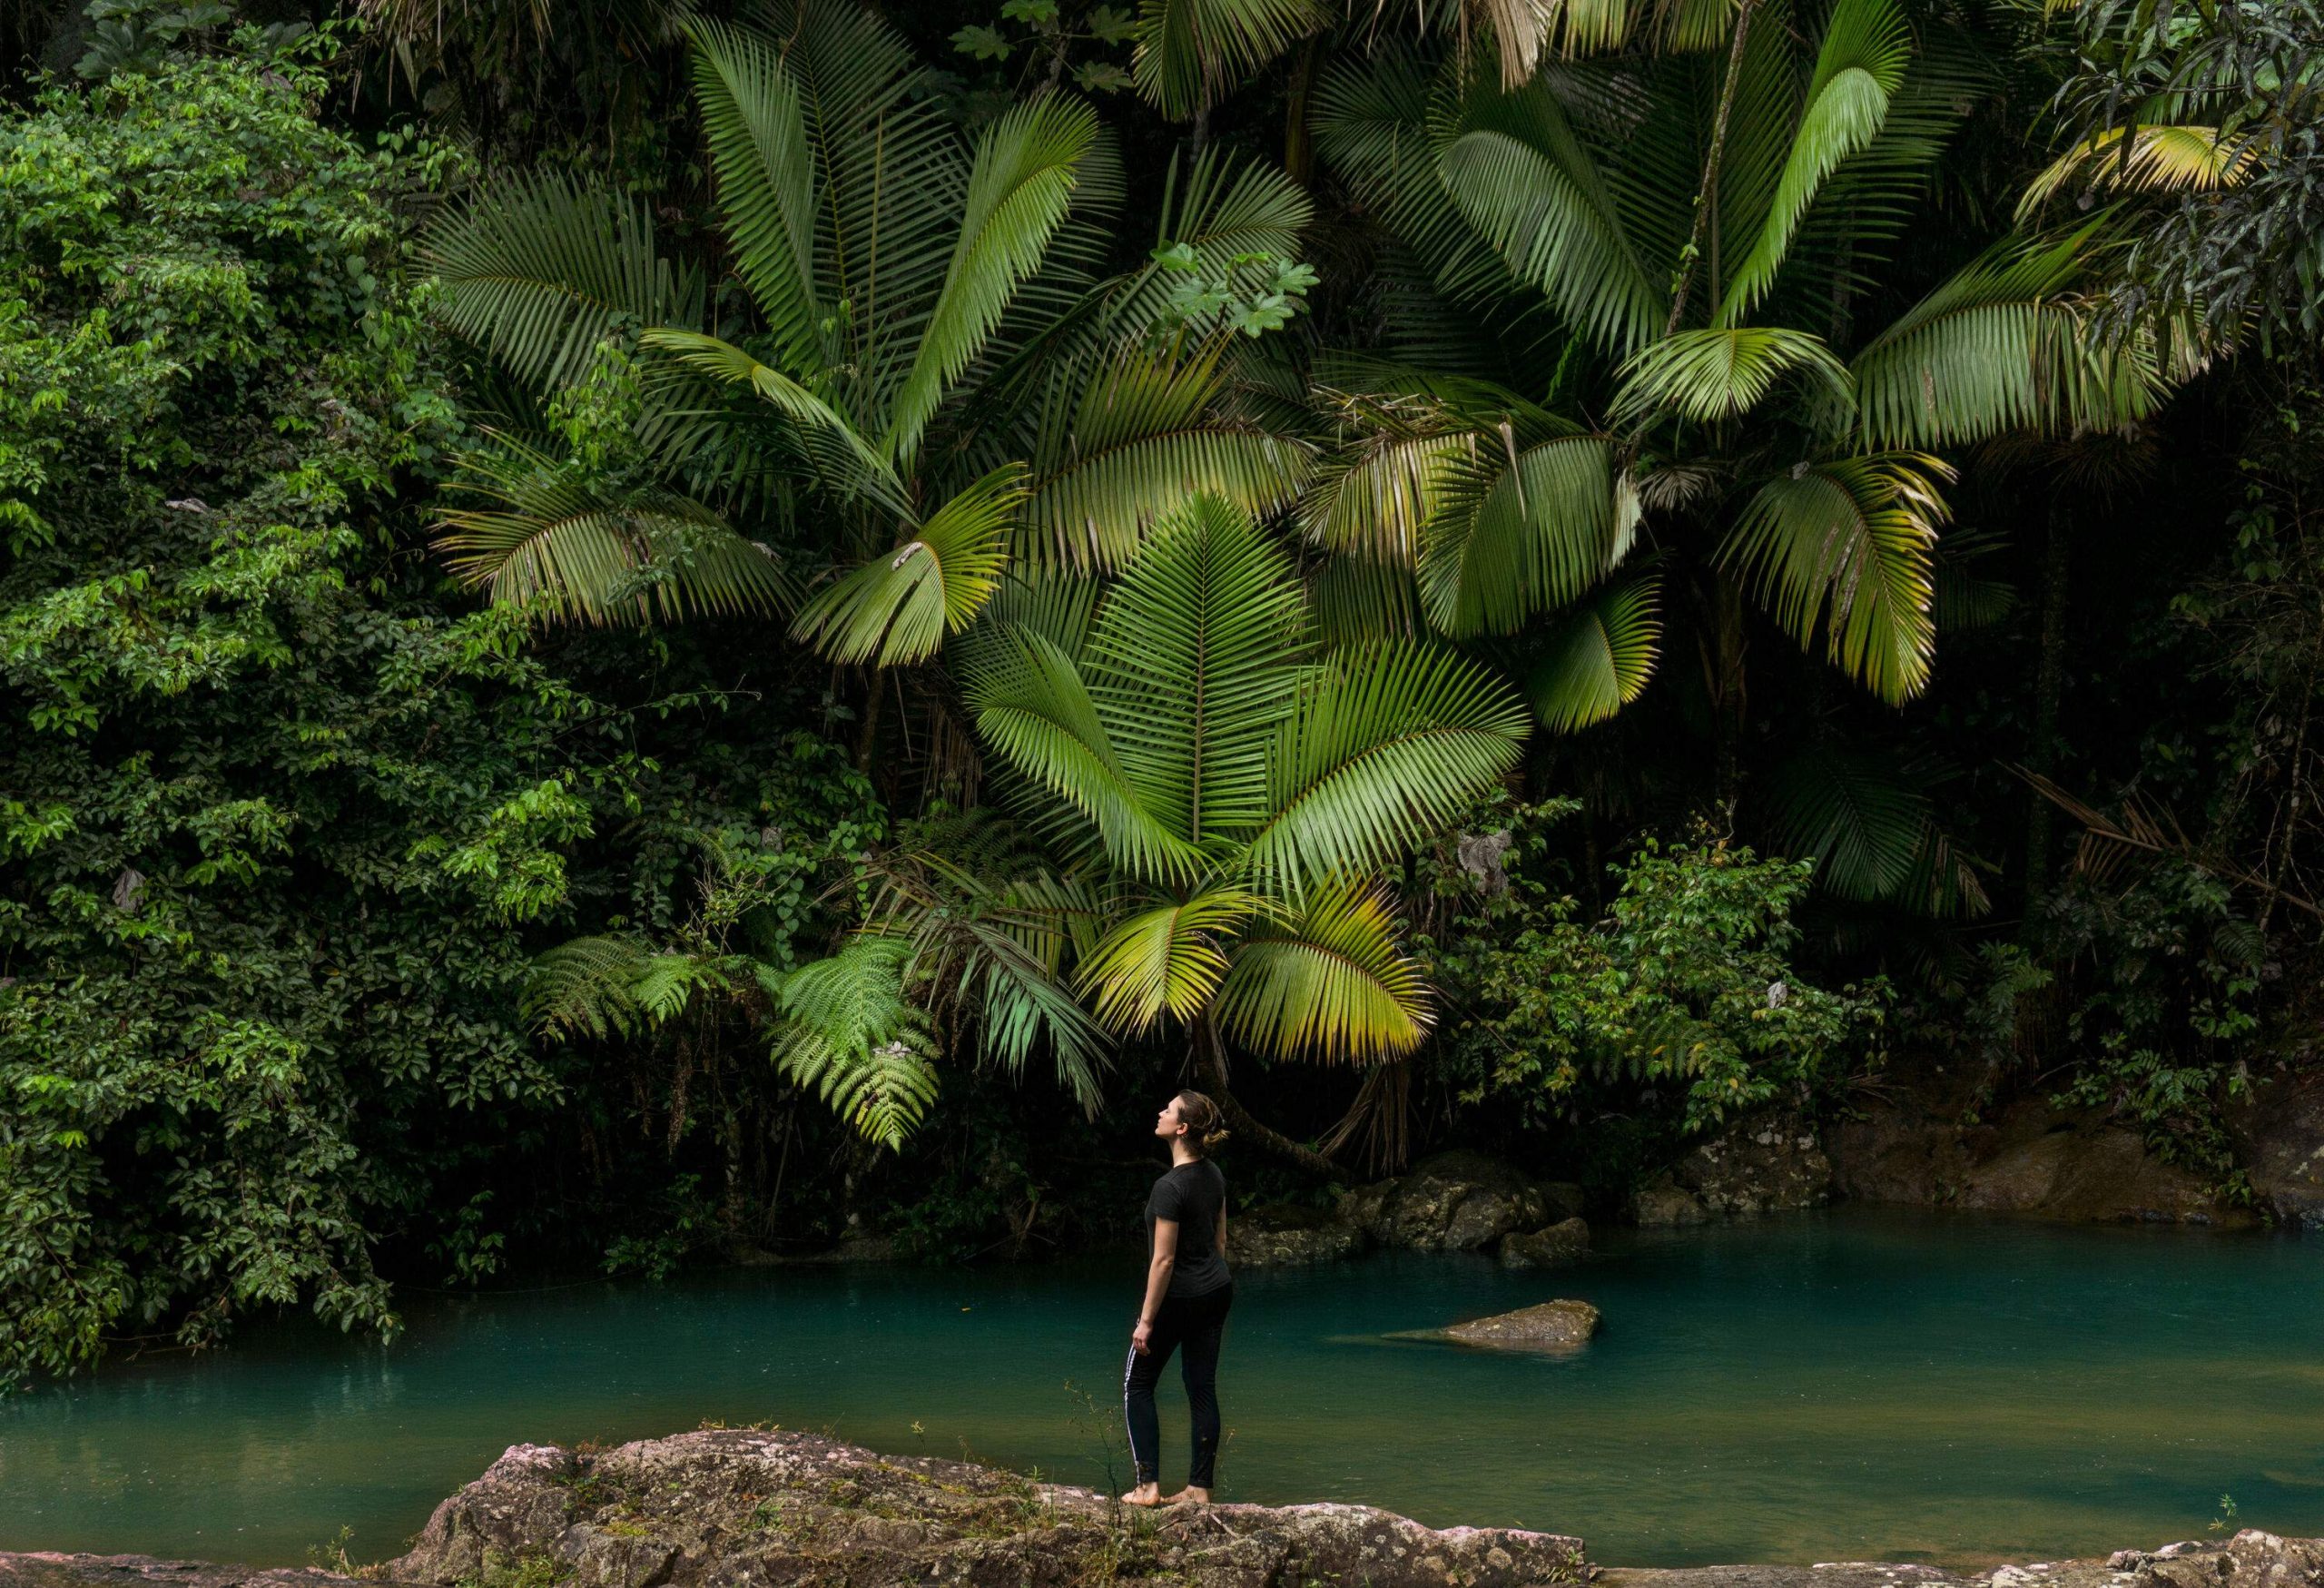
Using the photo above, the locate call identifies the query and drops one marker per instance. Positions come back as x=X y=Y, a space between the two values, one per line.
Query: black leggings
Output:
x=1194 y=1324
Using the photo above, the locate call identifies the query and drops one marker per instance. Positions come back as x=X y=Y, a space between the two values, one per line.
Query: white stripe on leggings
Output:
x=1129 y=1365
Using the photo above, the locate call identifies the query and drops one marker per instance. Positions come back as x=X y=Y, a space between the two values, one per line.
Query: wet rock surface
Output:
x=1453 y=1201
x=2279 y=1133
x=1663 y=1203
x=1562 y=1242
x=1767 y=1163
x=2030 y=1157
x=742 y=1507
x=1554 y=1327
x=751 y=1509
x=2250 y=1558
x=1283 y=1233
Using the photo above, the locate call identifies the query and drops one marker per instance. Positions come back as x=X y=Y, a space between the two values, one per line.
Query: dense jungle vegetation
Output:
x=648 y=633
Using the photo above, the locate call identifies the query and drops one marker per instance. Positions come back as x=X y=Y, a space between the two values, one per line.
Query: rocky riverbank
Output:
x=741 y=1508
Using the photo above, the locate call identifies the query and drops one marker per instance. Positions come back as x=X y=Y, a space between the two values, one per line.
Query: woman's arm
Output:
x=1157 y=1280
x=1221 y=1247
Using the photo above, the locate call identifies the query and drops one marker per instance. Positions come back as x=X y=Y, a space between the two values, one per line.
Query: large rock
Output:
x=1562 y=1242
x=724 y=1508
x=1764 y=1164
x=1454 y=1201
x=1558 y=1327
x=2249 y=1559
x=1283 y=1233
x=2031 y=1158
x=2278 y=1131
x=1662 y=1202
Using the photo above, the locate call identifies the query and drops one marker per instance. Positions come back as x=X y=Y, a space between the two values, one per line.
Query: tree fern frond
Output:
x=849 y=1032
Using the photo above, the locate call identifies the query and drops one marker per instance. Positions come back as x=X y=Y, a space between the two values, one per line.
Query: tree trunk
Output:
x=1722 y=645
x=2042 y=754
x=1298 y=142
x=1210 y=1067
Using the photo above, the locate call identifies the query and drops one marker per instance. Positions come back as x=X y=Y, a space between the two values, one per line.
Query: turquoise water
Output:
x=1824 y=1386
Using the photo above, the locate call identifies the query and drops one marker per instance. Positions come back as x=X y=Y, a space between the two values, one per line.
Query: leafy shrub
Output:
x=1682 y=999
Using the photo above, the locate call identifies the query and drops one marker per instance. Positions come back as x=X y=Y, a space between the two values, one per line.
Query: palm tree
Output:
x=1633 y=355
x=1220 y=796
x=932 y=373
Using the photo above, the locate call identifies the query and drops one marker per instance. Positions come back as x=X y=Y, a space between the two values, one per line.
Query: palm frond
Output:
x=1852 y=814
x=1389 y=743
x=849 y=464
x=1167 y=959
x=1599 y=656
x=1034 y=707
x=1858 y=68
x=757 y=131
x=1996 y=347
x=1721 y=373
x=898 y=608
x=1020 y=189
x=1331 y=984
x=1515 y=169
x=1144 y=441
x=540 y=270
x=1846 y=547
x=1192 y=668
x=2158 y=159
x=1191 y=51
x=1530 y=533
x=557 y=542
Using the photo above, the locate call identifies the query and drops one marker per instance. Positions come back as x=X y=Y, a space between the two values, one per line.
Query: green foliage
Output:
x=274 y=815
x=1684 y=999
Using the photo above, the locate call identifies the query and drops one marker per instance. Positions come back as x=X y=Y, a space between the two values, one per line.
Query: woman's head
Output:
x=1193 y=1118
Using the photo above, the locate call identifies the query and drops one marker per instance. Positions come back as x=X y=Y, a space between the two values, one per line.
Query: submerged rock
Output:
x=1559 y=1243
x=1557 y=1327
x=1453 y=1201
x=733 y=1506
x=1282 y=1234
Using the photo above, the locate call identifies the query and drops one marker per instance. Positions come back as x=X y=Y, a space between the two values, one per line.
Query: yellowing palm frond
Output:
x=1331 y=983
x=1167 y=959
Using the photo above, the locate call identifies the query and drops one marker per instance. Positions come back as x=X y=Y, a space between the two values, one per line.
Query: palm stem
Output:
x=1210 y=1067
x=1707 y=196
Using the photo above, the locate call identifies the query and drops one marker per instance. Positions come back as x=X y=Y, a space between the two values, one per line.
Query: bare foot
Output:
x=1144 y=1494
x=1189 y=1495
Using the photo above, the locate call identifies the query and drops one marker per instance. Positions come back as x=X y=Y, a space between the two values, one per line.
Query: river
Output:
x=1837 y=1386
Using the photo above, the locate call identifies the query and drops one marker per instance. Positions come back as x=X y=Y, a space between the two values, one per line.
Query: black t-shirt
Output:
x=1191 y=1194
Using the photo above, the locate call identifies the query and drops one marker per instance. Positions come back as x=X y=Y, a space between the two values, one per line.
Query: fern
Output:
x=849 y=1033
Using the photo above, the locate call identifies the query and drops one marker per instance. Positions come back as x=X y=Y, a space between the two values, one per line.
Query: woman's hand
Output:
x=1139 y=1336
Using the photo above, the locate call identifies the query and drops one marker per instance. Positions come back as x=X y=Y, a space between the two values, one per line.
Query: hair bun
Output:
x=1215 y=1138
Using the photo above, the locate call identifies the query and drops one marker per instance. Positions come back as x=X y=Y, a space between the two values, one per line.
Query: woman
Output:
x=1188 y=1293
